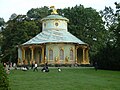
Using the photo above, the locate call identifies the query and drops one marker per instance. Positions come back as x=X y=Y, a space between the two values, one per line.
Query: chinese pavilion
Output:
x=54 y=45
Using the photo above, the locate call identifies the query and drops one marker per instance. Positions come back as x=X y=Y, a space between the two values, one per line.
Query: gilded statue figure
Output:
x=54 y=11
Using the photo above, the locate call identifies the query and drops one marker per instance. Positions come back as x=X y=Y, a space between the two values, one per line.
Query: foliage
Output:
x=2 y=22
x=4 y=83
x=17 y=31
x=117 y=33
x=38 y=13
x=109 y=56
x=87 y=25
x=13 y=16
x=117 y=28
x=108 y=15
x=110 y=20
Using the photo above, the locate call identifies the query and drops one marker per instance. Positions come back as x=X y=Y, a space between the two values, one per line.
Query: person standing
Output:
x=96 y=66
x=15 y=66
x=35 y=67
x=32 y=65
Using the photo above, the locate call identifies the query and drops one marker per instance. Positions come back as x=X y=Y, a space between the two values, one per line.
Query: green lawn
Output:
x=68 y=79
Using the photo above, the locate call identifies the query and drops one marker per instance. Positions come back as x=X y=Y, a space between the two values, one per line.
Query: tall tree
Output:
x=110 y=20
x=17 y=31
x=38 y=13
x=87 y=25
x=109 y=56
x=2 y=24
x=108 y=15
x=117 y=28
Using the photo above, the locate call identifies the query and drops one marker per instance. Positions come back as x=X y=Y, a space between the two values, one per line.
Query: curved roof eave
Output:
x=53 y=36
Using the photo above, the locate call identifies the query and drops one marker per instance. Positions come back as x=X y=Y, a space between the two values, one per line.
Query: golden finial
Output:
x=54 y=11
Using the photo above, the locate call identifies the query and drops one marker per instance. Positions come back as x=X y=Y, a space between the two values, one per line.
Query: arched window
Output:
x=71 y=54
x=61 y=54
x=50 y=54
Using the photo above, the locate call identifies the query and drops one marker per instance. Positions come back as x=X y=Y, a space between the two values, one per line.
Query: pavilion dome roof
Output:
x=54 y=36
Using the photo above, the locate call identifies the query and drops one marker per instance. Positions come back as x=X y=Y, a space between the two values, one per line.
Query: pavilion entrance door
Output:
x=28 y=55
x=38 y=55
x=79 y=55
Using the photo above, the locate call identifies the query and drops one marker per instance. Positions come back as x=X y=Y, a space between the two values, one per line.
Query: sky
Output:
x=8 y=7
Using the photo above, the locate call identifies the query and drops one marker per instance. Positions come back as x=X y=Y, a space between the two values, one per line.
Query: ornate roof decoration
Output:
x=54 y=11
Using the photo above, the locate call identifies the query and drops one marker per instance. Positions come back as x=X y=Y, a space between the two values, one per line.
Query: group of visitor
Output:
x=34 y=66
x=8 y=66
x=44 y=69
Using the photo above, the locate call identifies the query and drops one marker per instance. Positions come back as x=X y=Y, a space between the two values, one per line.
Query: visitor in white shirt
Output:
x=35 y=67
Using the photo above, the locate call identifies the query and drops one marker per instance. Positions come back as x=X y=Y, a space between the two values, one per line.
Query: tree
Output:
x=13 y=16
x=109 y=56
x=2 y=22
x=38 y=13
x=109 y=16
x=17 y=31
x=117 y=28
x=110 y=20
x=87 y=25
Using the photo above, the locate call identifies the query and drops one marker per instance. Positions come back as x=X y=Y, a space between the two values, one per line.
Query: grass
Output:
x=68 y=79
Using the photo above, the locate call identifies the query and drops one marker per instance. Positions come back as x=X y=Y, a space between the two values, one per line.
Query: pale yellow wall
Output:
x=56 y=51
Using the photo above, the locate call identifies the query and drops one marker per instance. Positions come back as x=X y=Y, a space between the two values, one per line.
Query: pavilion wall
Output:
x=56 y=53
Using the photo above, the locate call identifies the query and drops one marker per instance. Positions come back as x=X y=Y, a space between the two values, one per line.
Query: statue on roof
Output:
x=54 y=11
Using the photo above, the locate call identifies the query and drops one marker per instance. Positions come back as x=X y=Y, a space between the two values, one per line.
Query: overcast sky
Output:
x=8 y=7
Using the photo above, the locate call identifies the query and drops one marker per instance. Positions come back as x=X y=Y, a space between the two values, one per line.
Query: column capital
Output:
x=31 y=47
x=23 y=48
x=84 y=47
x=76 y=47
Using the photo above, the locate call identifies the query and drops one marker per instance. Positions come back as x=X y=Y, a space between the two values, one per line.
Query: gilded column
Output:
x=23 y=54
x=83 y=56
x=87 y=59
x=32 y=53
x=43 y=55
x=76 y=54
x=48 y=55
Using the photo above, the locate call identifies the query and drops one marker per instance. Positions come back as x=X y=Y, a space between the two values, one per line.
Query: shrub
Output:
x=4 y=83
x=108 y=58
